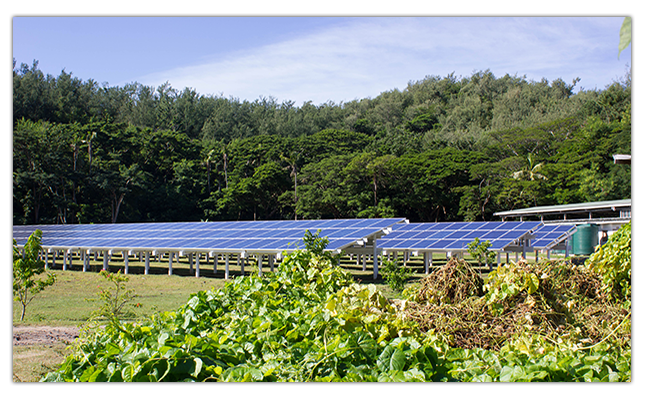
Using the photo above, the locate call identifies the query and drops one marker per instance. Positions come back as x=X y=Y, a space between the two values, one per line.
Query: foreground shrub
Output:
x=613 y=261
x=309 y=321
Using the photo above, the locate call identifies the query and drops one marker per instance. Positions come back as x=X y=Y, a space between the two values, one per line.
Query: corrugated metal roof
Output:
x=612 y=205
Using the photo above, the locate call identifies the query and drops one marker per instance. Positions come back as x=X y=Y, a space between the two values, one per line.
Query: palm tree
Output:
x=530 y=172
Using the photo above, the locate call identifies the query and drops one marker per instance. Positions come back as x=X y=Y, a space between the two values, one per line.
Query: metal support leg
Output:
x=197 y=265
x=260 y=259
x=147 y=263
x=170 y=255
x=226 y=266
x=427 y=260
x=126 y=262
x=375 y=260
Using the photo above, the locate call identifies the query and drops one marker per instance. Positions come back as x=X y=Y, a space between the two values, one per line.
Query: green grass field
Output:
x=65 y=303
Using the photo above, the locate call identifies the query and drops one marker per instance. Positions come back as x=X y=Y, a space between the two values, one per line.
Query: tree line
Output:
x=442 y=149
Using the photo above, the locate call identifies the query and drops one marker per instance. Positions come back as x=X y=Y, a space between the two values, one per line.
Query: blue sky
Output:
x=318 y=59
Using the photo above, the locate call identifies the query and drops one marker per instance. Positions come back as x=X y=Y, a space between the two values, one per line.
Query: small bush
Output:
x=395 y=276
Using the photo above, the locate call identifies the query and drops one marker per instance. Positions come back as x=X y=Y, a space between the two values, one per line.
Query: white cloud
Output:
x=364 y=57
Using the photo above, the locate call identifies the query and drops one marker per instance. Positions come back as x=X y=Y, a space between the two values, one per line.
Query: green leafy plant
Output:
x=395 y=276
x=613 y=262
x=480 y=251
x=508 y=281
x=309 y=321
x=27 y=268
x=116 y=300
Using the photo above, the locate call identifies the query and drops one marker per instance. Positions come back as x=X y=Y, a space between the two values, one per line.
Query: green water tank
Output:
x=585 y=240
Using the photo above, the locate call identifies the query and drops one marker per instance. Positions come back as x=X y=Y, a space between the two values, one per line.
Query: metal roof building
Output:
x=610 y=215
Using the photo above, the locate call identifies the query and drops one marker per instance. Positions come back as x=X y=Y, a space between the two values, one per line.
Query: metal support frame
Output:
x=126 y=262
x=375 y=259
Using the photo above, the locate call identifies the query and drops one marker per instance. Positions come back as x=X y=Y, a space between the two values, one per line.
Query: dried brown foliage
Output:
x=569 y=302
x=454 y=282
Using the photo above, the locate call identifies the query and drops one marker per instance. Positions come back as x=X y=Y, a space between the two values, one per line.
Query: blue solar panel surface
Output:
x=208 y=236
x=448 y=236
x=551 y=235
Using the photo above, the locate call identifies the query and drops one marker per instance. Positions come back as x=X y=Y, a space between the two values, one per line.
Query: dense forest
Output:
x=442 y=149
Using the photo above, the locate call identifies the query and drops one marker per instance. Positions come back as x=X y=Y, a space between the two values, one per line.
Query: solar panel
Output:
x=271 y=236
x=454 y=236
x=549 y=236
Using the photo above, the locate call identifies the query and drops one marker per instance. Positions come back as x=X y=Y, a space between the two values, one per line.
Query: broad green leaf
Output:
x=391 y=359
x=533 y=283
x=625 y=35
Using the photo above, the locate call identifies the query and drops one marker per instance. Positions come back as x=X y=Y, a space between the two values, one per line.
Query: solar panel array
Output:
x=250 y=236
x=548 y=236
x=454 y=236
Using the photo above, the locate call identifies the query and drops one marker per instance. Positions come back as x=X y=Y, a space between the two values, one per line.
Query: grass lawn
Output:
x=66 y=302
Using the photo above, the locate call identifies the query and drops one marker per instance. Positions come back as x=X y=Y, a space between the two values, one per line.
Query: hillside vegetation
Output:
x=443 y=148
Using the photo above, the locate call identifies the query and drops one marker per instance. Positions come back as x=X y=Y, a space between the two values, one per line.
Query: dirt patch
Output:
x=32 y=335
